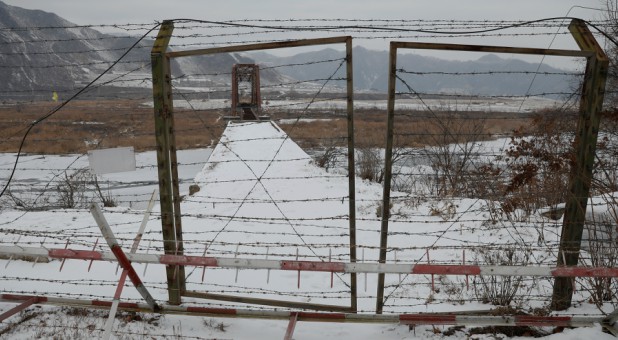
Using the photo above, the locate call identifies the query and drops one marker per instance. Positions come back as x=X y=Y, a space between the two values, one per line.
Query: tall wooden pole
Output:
x=166 y=159
x=580 y=179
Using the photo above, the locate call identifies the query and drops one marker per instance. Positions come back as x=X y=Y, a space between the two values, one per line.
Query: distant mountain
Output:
x=39 y=54
x=29 y=57
x=488 y=75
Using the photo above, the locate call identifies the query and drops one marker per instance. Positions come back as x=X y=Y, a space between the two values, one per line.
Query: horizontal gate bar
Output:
x=260 y=46
x=491 y=49
x=315 y=266
x=266 y=302
x=405 y=319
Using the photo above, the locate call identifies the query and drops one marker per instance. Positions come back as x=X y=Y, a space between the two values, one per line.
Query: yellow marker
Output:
x=55 y=96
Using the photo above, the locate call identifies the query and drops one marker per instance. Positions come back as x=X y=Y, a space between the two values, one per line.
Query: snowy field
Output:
x=261 y=196
x=131 y=189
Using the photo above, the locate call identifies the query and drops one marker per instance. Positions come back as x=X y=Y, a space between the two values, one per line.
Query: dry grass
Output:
x=85 y=125
x=412 y=129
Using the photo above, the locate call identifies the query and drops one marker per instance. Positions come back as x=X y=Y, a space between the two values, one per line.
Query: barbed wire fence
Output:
x=458 y=155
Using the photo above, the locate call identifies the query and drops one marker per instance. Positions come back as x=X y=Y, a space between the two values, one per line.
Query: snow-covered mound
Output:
x=261 y=196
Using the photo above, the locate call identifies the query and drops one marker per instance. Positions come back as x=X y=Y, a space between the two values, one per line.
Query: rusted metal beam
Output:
x=267 y=302
x=463 y=318
x=388 y=170
x=178 y=246
x=291 y=326
x=27 y=303
x=490 y=49
x=580 y=179
x=258 y=47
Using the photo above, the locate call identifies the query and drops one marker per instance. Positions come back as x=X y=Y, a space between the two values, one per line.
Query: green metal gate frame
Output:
x=585 y=140
x=168 y=165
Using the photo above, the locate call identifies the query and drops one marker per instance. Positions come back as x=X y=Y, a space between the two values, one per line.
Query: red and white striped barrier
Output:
x=316 y=266
x=124 y=262
x=128 y=269
x=405 y=319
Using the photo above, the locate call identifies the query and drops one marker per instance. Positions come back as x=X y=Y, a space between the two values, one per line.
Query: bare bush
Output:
x=72 y=188
x=105 y=197
x=25 y=199
x=369 y=162
x=600 y=250
x=328 y=157
x=539 y=163
x=606 y=168
x=455 y=147
x=215 y=325
x=500 y=290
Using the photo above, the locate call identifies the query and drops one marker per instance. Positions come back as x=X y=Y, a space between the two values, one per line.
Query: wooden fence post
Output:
x=166 y=159
x=351 y=170
x=591 y=104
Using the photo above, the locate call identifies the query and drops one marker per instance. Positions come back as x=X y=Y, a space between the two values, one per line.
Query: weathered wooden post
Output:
x=166 y=160
x=591 y=104
x=351 y=168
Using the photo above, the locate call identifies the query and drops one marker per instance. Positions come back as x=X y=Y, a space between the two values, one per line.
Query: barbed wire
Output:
x=320 y=233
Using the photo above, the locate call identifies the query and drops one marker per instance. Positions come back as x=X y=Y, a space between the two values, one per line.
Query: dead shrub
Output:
x=455 y=145
x=500 y=290
x=600 y=250
x=538 y=163
x=370 y=165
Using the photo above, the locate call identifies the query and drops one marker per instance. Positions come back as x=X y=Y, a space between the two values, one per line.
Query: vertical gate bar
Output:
x=175 y=185
x=580 y=179
x=388 y=169
x=234 y=92
x=289 y=332
x=351 y=170
x=161 y=90
x=257 y=92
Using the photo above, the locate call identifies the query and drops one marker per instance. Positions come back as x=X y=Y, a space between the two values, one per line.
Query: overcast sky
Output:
x=148 y=11
x=124 y=11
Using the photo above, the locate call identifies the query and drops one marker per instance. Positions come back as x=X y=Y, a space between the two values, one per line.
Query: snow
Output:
x=261 y=196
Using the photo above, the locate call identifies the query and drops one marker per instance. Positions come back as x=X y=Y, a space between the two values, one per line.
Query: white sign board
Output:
x=105 y=161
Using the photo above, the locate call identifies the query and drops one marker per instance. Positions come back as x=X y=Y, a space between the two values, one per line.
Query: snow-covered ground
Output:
x=131 y=189
x=261 y=196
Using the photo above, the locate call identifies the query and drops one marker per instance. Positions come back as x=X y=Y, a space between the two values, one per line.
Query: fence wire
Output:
x=480 y=164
